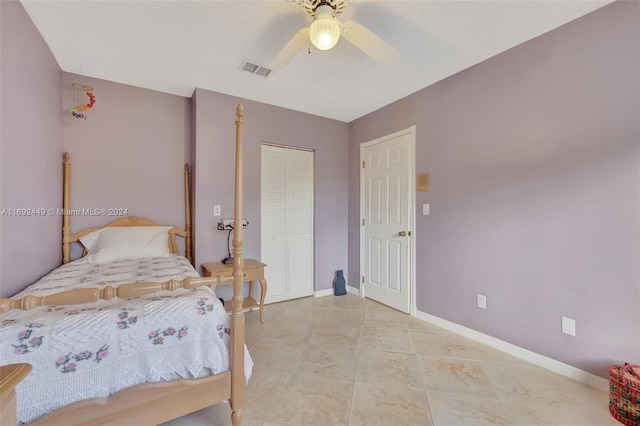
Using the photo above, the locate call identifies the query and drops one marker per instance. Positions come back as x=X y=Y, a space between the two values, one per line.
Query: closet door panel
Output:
x=274 y=255
x=300 y=193
x=300 y=266
x=287 y=222
x=273 y=245
x=300 y=223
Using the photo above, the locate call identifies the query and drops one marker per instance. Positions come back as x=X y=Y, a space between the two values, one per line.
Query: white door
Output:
x=287 y=222
x=387 y=201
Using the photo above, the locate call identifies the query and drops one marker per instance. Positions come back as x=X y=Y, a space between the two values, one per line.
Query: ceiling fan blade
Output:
x=290 y=50
x=362 y=38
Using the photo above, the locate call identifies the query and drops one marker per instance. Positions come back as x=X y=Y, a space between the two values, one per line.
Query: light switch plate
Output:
x=425 y=209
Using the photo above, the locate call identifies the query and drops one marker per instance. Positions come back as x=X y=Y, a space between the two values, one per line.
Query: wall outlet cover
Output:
x=482 y=301
x=569 y=326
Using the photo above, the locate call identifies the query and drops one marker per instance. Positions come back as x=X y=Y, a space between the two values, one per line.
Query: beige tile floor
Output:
x=351 y=361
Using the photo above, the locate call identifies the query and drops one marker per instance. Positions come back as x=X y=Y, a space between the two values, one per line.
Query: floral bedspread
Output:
x=94 y=350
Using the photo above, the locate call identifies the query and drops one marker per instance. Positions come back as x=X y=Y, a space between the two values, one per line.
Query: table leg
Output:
x=263 y=294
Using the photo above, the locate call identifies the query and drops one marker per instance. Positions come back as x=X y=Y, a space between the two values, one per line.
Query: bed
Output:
x=147 y=333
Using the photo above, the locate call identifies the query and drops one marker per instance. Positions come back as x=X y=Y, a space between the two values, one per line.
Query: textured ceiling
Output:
x=176 y=46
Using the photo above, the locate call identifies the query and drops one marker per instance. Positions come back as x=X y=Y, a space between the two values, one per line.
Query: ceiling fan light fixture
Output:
x=324 y=31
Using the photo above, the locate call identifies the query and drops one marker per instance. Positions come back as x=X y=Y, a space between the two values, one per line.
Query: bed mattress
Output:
x=97 y=349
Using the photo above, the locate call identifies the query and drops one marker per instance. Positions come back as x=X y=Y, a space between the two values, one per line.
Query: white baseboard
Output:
x=551 y=364
x=329 y=292
x=322 y=293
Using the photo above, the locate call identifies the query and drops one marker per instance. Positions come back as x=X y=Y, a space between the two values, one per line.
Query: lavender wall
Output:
x=129 y=153
x=535 y=183
x=31 y=151
x=215 y=145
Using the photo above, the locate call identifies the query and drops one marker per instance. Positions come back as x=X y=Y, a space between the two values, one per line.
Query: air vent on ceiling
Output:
x=255 y=69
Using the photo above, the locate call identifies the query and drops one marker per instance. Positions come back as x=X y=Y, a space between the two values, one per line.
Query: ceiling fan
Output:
x=325 y=31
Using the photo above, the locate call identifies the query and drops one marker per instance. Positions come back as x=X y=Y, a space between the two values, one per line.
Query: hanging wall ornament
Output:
x=78 y=89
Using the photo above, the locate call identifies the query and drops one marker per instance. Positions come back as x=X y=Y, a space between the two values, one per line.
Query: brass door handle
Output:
x=402 y=233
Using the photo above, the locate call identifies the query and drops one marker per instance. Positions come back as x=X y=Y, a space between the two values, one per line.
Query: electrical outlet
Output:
x=482 y=301
x=216 y=210
x=569 y=326
x=227 y=224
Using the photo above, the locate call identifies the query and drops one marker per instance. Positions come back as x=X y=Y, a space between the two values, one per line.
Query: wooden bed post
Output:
x=187 y=212
x=10 y=376
x=66 y=227
x=237 y=317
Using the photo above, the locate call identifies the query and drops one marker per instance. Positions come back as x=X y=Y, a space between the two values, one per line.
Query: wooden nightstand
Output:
x=253 y=270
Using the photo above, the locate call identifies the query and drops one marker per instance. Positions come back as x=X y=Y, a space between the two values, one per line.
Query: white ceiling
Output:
x=176 y=46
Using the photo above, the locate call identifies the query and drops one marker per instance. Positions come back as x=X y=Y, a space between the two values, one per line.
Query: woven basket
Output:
x=624 y=393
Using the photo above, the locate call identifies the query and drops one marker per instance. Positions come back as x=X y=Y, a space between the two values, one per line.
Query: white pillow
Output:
x=126 y=242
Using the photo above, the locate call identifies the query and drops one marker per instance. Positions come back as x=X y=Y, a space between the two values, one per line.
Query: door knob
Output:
x=402 y=233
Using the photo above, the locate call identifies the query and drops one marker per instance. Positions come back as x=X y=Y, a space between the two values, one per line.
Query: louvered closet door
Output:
x=300 y=222
x=287 y=222
x=274 y=221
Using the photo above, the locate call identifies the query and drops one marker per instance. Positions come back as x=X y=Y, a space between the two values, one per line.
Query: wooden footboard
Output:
x=144 y=404
x=90 y=295
x=10 y=376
